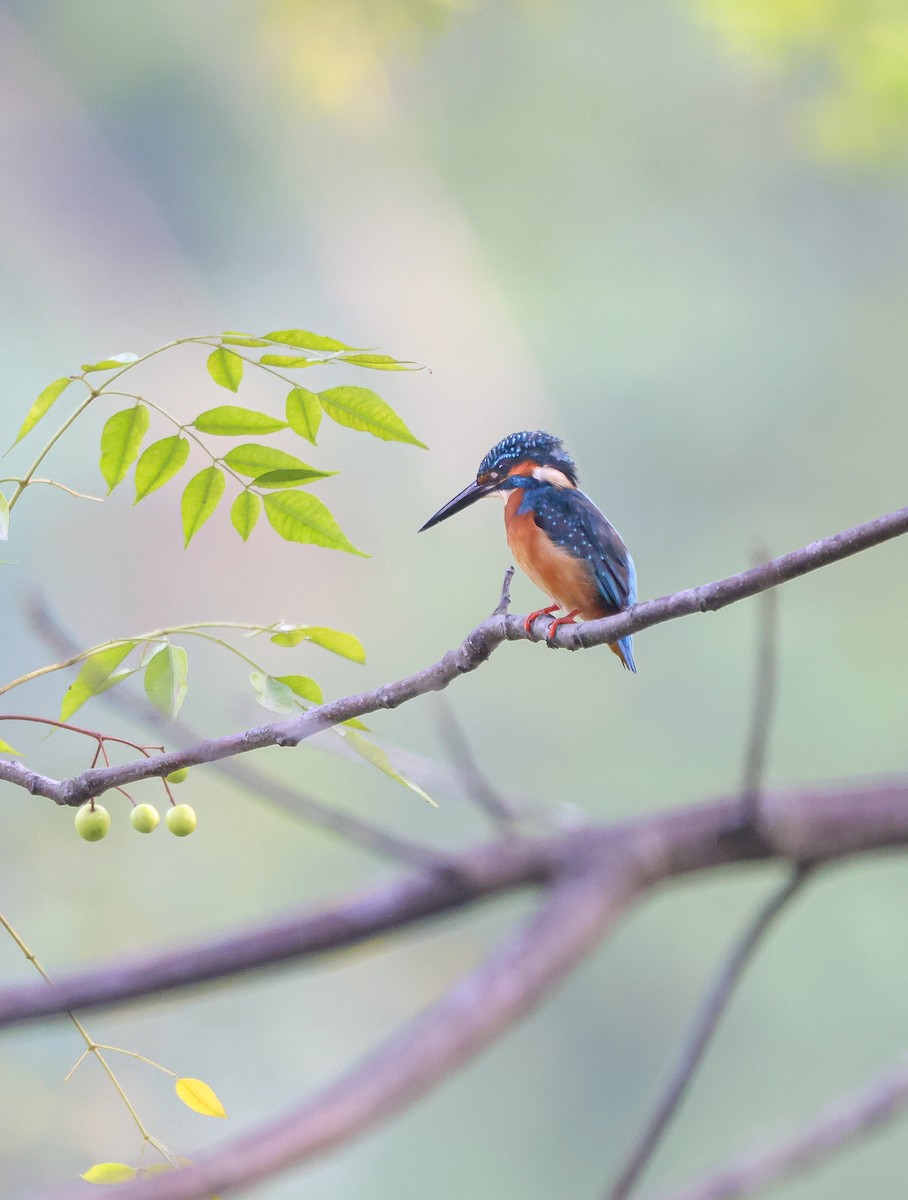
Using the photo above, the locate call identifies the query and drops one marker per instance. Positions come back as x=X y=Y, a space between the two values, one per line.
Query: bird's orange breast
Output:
x=567 y=579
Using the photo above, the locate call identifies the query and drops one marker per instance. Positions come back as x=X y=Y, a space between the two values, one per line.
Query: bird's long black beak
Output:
x=470 y=494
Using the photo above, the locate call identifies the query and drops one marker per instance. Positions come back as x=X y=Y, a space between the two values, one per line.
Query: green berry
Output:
x=181 y=820
x=92 y=823
x=145 y=818
x=177 y=776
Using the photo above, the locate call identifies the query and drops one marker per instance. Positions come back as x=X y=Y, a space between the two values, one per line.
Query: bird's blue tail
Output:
x=624 y=648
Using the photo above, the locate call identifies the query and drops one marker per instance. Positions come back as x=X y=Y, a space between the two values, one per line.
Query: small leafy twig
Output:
x=94 y=1048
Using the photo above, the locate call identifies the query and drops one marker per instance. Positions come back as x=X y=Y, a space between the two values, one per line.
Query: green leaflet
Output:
x=292 y=477
x=167 y=679
x=335 y=640
x=109 y=1172
x=200 y=498
x=304 y=413
x=121 y=440
x=273 y=694
x=97 y=674
x=288 y=360
x=379 y=362
x=110 y=364
x=378 y=758
x=302 y=686
x=232 y=338
x=6 y=748
x=225 y=368
x=253 y=460
x=245 y=512
x=4 y=518
x=159 y=463
x=361 y=408
x=52 y=392
x=301 y=517
x=229 y=420
x=306 y=340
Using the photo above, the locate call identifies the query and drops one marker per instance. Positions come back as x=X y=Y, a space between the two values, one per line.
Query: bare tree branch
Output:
x=704 y=1027
x=843 y=1121
x=472 y=653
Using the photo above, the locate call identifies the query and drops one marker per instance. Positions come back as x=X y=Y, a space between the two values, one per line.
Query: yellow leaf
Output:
x=198 y=1096
x=109 y=1172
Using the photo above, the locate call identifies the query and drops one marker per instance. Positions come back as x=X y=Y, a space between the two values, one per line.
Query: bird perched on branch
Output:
x=556 y=533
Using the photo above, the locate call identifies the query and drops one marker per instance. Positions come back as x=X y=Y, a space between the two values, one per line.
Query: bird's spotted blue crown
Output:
x=529 y=445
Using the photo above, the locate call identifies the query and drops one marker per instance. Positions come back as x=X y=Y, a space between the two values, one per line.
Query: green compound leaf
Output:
x=380 y=362
x=197 y=1095
x=225 y=368
x=98 y=673
x=110 y=364
x=245 y=512
x=6 y=748
x=273 y=694
x=4 y=518
x=231 y=338
x=294 y=477
x=252 y=459
x=159 y=463
x=167 y=679
x=109 y=1172
x=361 y=408
x=304 y=413
x=306 y=340
x=301 y=517
x=121 y=440
x=288 y=360
x=200 y=499
x=52 y=392
x=378 y=758
x=231 y=421
x=302 y=686
x=335 y=640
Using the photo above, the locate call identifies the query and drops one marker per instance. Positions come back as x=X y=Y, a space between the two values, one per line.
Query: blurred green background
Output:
x=676 y=235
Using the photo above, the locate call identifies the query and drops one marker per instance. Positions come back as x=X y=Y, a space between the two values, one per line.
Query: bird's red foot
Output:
x=567 y=619
x=540 y=612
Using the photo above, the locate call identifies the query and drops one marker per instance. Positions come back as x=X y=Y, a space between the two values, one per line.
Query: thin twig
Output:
x=720 y=993
x=700 y=1036
x=504 y=601
x=476 y=784
x=475 y=650
x=765 y=688
x=836 y=1126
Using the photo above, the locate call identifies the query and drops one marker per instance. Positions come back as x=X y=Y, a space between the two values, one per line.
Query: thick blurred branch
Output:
x=590 y=877
x=813 y=825
x=476 y=648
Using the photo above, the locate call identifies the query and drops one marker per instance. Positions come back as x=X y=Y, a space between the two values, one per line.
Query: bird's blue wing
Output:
x=573 y=521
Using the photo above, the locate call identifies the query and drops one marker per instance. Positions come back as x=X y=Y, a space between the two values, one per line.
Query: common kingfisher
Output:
x=556 y=533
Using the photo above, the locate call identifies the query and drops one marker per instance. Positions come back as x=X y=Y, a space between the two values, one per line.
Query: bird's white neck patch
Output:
x=553 y=476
